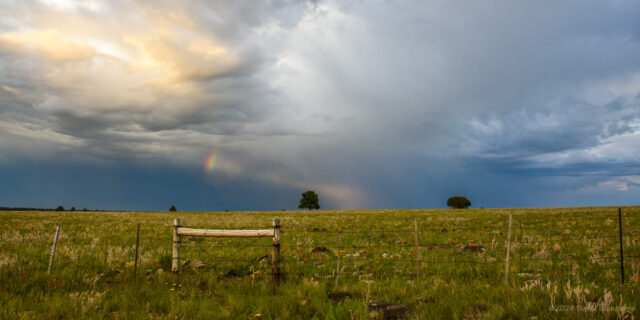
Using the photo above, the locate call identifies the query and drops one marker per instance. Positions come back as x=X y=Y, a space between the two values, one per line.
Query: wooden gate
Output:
x=179 y=231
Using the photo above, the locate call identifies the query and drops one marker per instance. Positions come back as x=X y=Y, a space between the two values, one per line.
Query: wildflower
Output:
x=373 y=269
x=635 y=277
x=6 y=294
x=306 y=259
x=26 y=276
x=404 y=293
x=150 y=261
x=439 y=250
x=54 y=279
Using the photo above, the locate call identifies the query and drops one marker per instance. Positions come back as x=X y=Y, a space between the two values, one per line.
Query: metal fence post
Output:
x=338 y=265
x=621 y=250
x=135 y=263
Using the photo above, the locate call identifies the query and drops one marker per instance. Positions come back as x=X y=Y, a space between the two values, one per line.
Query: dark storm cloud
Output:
x=374 y=104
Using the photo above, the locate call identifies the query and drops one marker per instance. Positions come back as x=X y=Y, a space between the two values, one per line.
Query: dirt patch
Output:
x=437 y=246
x=386 y=310
x=319 y=249
x=339 y=296
x=475 y=312
x=473 y=248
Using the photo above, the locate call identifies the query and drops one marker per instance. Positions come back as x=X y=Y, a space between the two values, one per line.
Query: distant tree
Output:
x=60 y=208
x=73 y=208
x=309 y=200
x=458 y=202
x=85 y=209
x=173 y=209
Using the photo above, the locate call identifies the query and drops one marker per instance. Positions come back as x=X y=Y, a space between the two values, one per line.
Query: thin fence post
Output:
x=135 y=263
x=338 y=265
x=175 y=261
x=520 y=253
x=53 y=249
x=506 y=270
x=621 y=251
x=415 y=220
x=276 y=251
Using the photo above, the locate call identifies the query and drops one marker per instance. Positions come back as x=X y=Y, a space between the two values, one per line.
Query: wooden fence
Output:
x=179 y=231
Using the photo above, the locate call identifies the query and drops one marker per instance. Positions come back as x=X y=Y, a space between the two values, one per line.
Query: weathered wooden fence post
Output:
x=506 y=271
x=135 y=263
x=275 y=268
x=621 y=251
x=415 y=220
x=175 y=261
x=53 y=249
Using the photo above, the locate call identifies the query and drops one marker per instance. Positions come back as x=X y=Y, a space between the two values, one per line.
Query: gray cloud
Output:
x=360 y=100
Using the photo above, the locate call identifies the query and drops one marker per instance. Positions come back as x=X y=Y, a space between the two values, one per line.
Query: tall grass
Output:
x=564 y=264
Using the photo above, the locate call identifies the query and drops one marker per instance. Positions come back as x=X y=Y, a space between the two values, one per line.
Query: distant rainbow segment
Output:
x=210 y=162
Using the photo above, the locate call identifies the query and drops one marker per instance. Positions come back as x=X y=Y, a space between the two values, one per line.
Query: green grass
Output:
x=565 y=258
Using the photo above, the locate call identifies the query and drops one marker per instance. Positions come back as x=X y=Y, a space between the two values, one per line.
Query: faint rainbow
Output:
x=210 y=162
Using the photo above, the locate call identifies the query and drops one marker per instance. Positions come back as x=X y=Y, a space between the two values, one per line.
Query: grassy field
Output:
x=564 y=264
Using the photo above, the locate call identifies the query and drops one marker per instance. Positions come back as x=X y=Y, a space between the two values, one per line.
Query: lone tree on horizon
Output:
x=458 y=202
x=309 y=200
x=173 y=209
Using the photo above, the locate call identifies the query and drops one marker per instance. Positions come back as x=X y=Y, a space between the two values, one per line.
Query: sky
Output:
x=244 y=105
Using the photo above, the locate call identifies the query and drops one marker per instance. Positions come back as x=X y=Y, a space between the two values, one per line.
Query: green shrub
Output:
x=458 y=202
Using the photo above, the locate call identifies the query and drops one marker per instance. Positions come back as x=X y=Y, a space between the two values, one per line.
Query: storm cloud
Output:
x=372 y=104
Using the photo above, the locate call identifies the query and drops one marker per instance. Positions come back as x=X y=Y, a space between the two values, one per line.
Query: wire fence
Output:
x=411 y=250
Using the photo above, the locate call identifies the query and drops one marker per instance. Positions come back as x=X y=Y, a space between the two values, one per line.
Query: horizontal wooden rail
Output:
x=179 y=232
x=225 y=233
